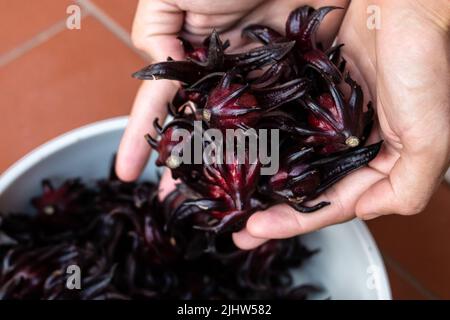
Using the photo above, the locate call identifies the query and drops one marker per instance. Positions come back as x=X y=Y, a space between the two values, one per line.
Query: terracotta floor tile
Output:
x=421 y=243
x=121 y=11
x=22 y=19
x=77 y=77
x=401 y=288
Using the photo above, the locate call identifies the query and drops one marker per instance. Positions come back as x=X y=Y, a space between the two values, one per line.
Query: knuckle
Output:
x=198 y=21
x=300 y=228
x=411 y=208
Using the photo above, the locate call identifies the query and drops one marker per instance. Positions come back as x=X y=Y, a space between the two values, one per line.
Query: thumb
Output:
x=406 y=190
x=155 y=29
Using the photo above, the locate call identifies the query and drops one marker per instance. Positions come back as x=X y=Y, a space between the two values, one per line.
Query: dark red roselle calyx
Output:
x=167 y=140
x=195 y=96
x=129 y=245
x=261 y=262
x=195 y=68
x=24 y=272
x=60 y=207
x=335 y=56
x=301 y=27
x=233 y=105
x=335 y=122
x=126 y=253
x=158 y=246
x=339 y=123
x=301 y=92
x=225 y=194
x=332 y=122
x=199 y=54
x=303 y=176
x=211 y=56
x=200 y=62
x=212 y=47
x=231 y=183
x=66 y=198
x=187 y=98
x=40 y=272
x=173 y=140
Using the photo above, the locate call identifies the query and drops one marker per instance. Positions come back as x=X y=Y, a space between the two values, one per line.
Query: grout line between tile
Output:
x=408 y=277
x=32 y=43
x=110 y=24
x=35 y=41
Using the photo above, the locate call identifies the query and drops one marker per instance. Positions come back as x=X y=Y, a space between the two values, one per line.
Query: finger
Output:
x=155 y=27
x=246 y=241
x=282 y=221
x=150 y=103
x=166 y=185
x=275 y=16
x=152 y=98
x=406 y=190
x=423 y=134
x=329 y=28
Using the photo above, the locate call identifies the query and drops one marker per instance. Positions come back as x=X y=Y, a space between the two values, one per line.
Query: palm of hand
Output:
x=400 y=75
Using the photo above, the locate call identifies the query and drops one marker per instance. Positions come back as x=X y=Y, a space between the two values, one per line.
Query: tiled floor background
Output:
x=53 y=79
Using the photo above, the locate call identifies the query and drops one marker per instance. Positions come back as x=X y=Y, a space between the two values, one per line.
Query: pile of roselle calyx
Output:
x=289 y=84
x=115 y=233
x=129 y=244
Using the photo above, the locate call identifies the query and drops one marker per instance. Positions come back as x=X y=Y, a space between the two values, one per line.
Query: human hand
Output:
x=156 y=27
x=404 y=68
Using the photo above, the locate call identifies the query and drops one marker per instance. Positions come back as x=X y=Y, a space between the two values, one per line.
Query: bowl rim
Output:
x=119 y=123
x=375 y=258
x=59 y=142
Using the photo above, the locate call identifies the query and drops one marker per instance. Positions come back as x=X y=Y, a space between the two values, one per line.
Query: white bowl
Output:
x=348 y=265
